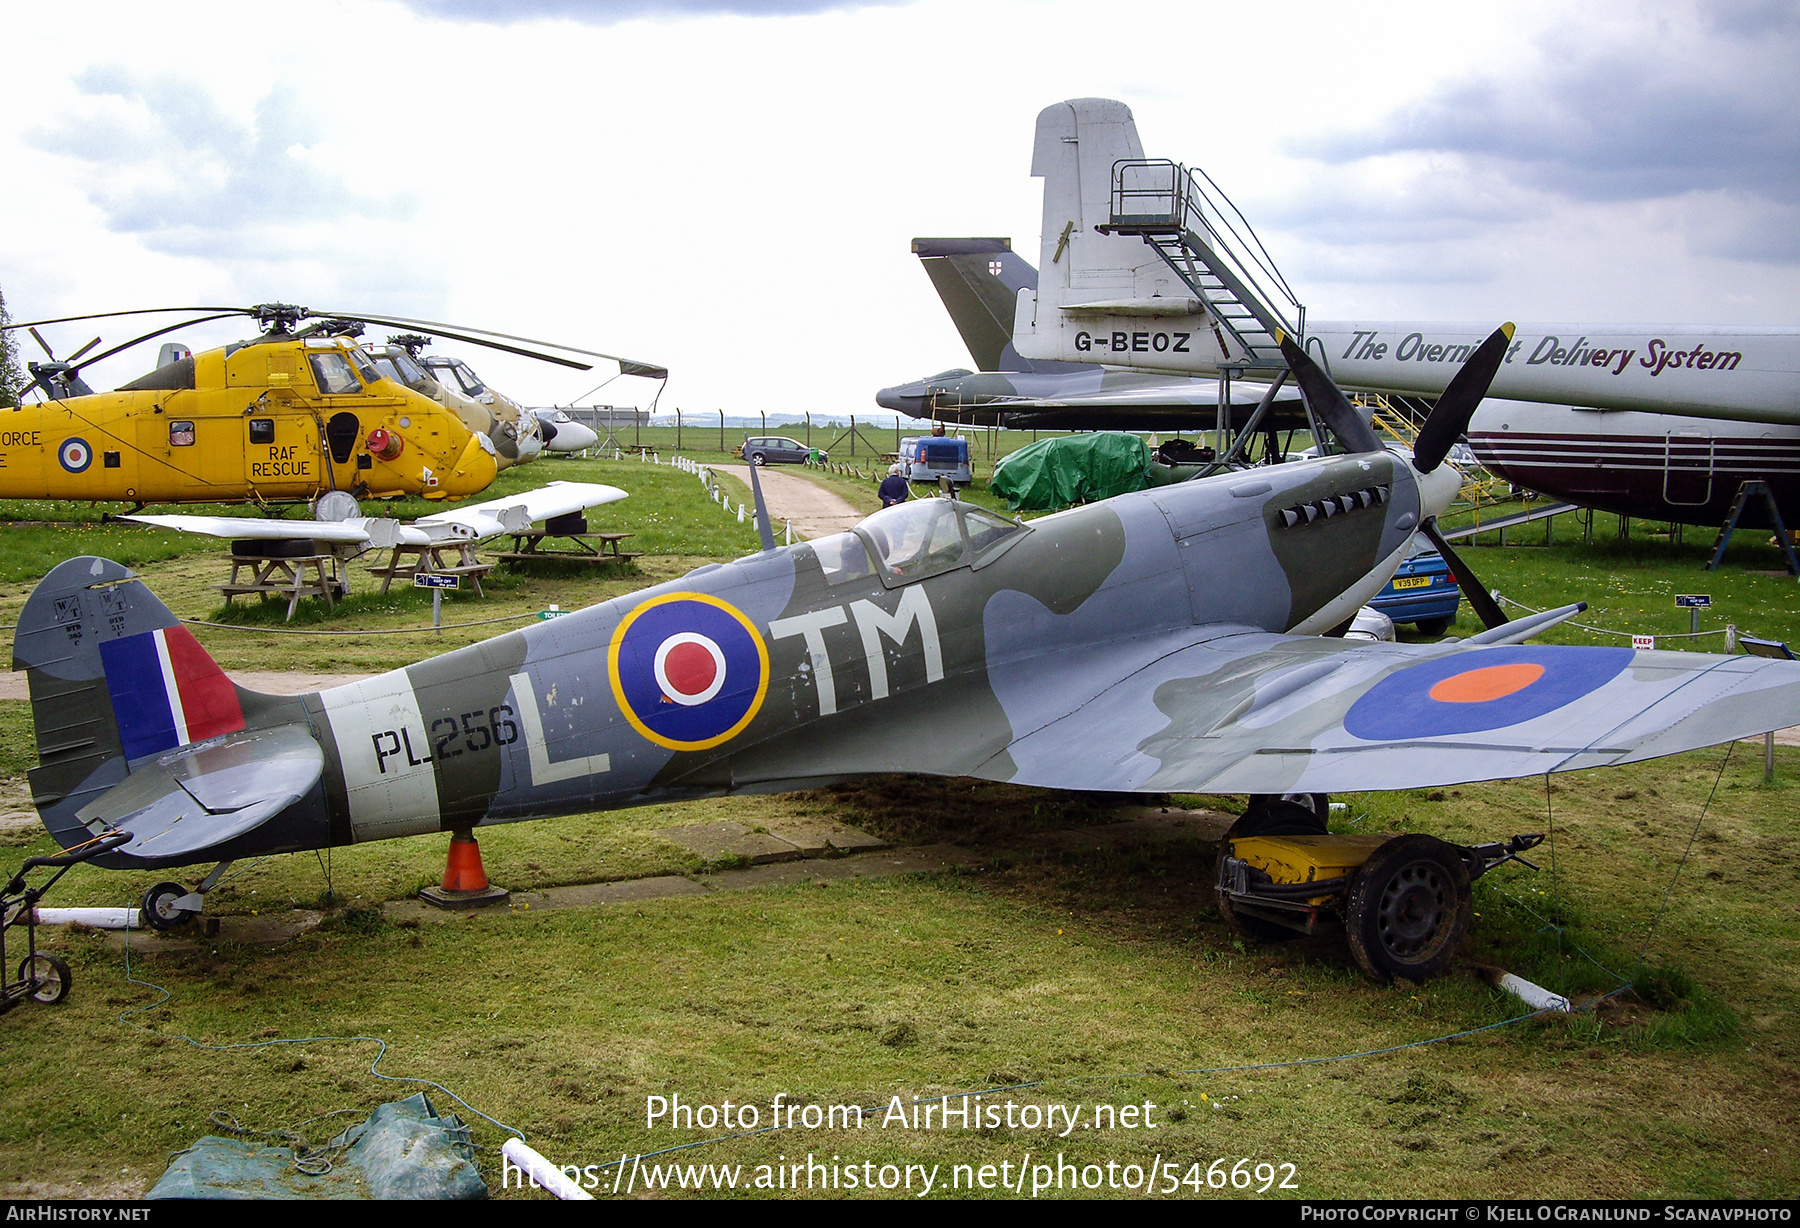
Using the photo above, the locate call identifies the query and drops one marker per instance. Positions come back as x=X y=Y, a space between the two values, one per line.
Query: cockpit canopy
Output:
x=926 y=536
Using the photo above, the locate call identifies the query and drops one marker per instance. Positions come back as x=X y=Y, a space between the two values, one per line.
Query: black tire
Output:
x=757 y=458
x=1433 y=626
x=159 y=907
x=1408 y=909
x=1266 y=816
x=49 y=977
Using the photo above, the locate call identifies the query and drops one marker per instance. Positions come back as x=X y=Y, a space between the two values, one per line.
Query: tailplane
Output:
x=114 y=678
x=979 y=281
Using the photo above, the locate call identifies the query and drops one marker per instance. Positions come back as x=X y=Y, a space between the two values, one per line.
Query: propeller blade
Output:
x=76 y=356
x=1327 y=401
x=1482 y=601
x=43 y=345
x=224 y=315
x=443 y=331
x=1449 y=418
x=397 y=322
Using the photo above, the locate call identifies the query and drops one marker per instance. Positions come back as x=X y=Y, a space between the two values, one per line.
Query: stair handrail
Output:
x=1210 y=216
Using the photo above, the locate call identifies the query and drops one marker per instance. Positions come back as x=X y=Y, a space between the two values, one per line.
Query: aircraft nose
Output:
x=474 y=472
x=1438 y=489
x=903 y=398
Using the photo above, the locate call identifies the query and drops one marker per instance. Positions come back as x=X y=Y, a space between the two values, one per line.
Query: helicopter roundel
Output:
x=689 y=671
x=75 y=455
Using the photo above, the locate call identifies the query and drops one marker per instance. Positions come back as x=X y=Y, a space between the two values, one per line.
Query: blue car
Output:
x=1422 y=592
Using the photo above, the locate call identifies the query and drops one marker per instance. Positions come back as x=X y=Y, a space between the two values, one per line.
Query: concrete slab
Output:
x=261 y=930
x=925 y=859
x=726 y=840
x=629 y=891
x=820 y=838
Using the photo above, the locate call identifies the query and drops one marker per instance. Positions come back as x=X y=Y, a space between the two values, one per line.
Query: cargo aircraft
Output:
x=1150 y=267
x=1163 y=641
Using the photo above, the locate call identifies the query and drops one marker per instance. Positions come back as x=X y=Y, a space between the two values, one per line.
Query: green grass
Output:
x=1077 y=971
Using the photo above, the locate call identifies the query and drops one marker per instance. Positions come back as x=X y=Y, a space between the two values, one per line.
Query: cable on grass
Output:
x=380 y=1052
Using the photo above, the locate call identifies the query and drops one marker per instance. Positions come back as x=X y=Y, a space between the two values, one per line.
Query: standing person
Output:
x=894 y=488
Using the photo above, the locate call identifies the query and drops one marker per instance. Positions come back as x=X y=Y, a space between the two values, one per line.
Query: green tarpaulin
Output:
x=404 y=1150
x=1054 y=473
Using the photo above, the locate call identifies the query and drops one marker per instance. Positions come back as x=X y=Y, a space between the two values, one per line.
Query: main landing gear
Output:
x=1402 y=902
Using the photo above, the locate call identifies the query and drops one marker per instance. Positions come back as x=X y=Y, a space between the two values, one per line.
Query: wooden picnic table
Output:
x=285 y=577
x=590 y=548
x=451 y=558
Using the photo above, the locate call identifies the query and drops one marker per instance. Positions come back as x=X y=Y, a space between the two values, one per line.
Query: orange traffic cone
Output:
x=463 y=871
x=465 y=882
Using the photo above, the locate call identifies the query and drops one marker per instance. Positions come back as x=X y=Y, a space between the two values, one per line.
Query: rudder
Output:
x=114 y=677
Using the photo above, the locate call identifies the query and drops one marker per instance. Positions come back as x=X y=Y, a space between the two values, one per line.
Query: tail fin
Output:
x=1096 y=285
x=979 y=281
x=114 y=677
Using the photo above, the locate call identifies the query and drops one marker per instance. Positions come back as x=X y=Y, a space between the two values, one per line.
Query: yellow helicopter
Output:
x=296 y=413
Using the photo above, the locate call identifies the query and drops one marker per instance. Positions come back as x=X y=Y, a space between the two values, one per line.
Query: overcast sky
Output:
x=728 y=187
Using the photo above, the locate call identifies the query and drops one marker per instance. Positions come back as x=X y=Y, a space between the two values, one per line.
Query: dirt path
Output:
x=809 y=507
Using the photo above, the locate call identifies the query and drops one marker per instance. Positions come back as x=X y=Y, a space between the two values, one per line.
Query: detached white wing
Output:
x=257 y=528
x=517 y=512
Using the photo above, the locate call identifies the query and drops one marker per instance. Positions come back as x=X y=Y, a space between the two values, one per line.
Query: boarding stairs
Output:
x=1210 y=246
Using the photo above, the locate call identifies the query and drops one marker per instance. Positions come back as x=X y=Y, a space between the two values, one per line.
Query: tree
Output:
x=10 y=379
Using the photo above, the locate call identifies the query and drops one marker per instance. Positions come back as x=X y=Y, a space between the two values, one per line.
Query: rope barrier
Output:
x=483 y=622
x=1672 y=635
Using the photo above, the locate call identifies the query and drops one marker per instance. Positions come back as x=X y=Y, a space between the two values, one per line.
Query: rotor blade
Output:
x=441 y=329
x=151 y=335
x=43 y=345
x=1327 y=401
x=1482 y=601
x=396 y=322
x=1449 y=418
x=142 y=311
x=76 y=356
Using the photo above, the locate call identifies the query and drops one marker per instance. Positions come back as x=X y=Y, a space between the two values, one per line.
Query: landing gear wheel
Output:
x=160 y=910
x=1408 y=909
x=49 y=976
x=1433 y=626
x=1266 y=816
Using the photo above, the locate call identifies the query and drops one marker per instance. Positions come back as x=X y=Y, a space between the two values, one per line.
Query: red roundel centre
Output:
x=689 y=668
x=1480 y=685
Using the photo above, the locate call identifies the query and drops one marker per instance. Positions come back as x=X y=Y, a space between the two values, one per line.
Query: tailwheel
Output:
x=1408 y=909
x=48 y=976
x=1266 y=816
x=162 y=909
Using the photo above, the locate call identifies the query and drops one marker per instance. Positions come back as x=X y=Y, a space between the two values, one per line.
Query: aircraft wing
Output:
x=1246 y=711
x=204 y=795
x=262 y=528
x=517 y=512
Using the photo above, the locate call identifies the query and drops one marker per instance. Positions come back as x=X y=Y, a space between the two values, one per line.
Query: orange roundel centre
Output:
x=1480 y=685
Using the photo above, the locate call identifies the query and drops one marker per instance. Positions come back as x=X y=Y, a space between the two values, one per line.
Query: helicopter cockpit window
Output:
x=262 y=430
x=334 y=374
x=842 y=556
x=181 y=434
x=365 y=366
x=916 y=538
x=471 y=383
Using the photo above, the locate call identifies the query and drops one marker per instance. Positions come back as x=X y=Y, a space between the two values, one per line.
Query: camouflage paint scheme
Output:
x=1165 y=640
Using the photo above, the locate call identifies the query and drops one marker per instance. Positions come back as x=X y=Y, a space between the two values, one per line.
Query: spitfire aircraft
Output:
x=1167 y=640
x=293 y=415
